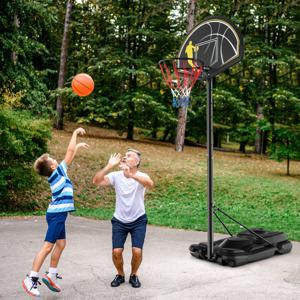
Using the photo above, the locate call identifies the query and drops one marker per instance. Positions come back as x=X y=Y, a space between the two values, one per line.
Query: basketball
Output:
x=82 y=84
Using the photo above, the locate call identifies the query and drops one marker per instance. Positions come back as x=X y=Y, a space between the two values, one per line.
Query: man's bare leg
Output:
x=117 y=256
x=137 y=256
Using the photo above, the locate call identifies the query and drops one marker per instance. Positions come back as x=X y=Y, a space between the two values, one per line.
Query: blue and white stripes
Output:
x=62 y=190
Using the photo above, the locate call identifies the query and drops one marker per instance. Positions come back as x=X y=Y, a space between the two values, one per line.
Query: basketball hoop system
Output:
x=214 y=45
x=180 y=75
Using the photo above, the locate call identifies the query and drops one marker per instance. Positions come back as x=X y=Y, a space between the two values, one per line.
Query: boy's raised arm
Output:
x=73 y=147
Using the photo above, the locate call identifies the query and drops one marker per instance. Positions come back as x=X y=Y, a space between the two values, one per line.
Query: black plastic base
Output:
x=244 y=247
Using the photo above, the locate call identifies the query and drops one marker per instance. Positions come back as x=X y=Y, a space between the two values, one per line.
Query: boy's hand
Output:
x=80 y=131
x=82 y=145
x=114 y=160
x=73 y=147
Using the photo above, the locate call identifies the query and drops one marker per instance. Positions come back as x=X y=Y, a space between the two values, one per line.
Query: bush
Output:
x=22 y=139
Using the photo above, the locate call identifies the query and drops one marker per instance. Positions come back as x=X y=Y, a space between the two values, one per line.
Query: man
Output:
x=129 y=217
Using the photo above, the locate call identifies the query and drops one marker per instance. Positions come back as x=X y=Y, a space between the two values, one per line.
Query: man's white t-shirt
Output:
x=129 y=196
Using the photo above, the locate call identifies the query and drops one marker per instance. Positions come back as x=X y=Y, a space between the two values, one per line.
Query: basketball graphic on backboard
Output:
x=216 y=42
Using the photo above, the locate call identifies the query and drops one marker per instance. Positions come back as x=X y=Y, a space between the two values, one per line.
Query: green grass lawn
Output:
x=252 y=189
x=270 y=204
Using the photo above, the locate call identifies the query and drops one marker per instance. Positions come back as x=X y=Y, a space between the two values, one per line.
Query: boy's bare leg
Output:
x=41 y=256
x=117 y=256
x=56 y=253
x=30 y=282
x=137 y=255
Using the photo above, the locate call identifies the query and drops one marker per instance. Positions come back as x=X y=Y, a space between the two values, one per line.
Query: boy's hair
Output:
x=42 y=165
x=138 y=153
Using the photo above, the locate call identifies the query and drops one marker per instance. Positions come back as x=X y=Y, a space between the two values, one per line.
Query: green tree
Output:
x=23 y=139
x=270 y=30
x=23 y=30
x=130 y=38
x=287 y=145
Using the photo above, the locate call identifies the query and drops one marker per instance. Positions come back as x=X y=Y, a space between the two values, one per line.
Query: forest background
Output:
x=119 y=43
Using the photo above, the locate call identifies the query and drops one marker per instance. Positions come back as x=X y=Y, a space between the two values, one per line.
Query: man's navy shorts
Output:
x=137 y=230
x=56 y=226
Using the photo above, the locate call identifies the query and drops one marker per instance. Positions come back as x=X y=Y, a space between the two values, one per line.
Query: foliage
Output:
x=119 y=44
x=267 y=75
x=286 y=145
x=23 y=139
x=124 y=67
x=25 y=31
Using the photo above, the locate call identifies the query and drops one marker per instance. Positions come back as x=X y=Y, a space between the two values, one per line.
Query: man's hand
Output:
x=127 y=171
x=145 y=180
x=114 y=160
x=80 y=131
x=100 y=178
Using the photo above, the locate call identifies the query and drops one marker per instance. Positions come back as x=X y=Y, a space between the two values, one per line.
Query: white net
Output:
x=180 y=77
x=181 y=95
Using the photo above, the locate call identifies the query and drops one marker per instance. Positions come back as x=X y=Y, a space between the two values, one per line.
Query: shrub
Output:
x=22 y=139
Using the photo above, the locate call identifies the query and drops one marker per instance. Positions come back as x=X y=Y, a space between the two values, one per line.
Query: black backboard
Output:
x=216 y=42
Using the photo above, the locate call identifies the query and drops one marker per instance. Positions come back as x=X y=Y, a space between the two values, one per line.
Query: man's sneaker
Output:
x=51 y=282
x=119 y=279
x=134 y=280
x=30 y=285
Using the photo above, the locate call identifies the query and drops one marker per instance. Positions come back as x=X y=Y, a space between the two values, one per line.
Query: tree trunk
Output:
x=288 y=157
x=130 y=125
x=258 y=137
x=217 y=138
x=130 y=50
x=264 y=142
x=191 y=15
x=182 y=112
x=14 y=55
x=273 y=79
x=180 y=131
x=130 y=128
x=243 y=146
x=59 y=121
x=154 y=128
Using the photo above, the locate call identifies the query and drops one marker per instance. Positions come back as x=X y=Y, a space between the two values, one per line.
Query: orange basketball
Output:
x=82 y=84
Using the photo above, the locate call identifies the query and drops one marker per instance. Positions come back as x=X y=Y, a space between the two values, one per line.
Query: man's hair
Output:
x=138 y=153
x=42 y=165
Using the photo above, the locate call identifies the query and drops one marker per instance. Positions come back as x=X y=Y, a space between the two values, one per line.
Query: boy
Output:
x=62 y=203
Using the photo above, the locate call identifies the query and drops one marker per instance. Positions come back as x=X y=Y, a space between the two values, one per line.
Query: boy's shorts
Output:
x=137 y=230
x=56 y=226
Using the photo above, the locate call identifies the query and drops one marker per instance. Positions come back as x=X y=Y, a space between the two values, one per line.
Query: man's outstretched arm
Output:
x=100 y=178
x=144 y=179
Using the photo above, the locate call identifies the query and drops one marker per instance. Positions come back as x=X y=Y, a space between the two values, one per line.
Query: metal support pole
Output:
x=209 y=125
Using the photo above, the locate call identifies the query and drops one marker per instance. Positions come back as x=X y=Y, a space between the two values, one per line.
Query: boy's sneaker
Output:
x=134 y=280
x=30 y=285
x=51 y=282
x=119 y=279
